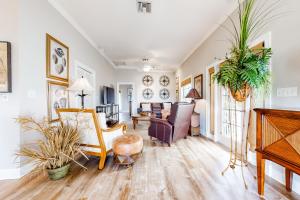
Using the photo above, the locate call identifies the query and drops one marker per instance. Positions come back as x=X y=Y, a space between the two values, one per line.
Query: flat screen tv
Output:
x=108 y=95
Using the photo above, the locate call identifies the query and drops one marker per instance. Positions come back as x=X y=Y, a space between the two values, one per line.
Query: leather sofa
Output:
x=175 y=127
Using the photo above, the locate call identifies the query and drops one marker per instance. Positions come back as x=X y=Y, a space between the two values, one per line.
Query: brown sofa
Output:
x=157 y=108
x=175 y=127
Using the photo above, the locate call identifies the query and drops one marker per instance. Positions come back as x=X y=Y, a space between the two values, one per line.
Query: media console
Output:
x=111 y=112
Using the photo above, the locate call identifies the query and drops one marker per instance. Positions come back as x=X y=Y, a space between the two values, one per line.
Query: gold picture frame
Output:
x=58 y=97
x=57 y=59
x=198 y=85
x=5 y=67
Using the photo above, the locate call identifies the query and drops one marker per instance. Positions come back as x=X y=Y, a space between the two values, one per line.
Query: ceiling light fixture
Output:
x=147 y=67
x=144 y=6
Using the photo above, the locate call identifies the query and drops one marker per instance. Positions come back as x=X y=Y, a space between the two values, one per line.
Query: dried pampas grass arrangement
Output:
x=58 y=147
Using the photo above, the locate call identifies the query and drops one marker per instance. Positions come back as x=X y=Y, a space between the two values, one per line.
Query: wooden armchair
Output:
x=96 y=138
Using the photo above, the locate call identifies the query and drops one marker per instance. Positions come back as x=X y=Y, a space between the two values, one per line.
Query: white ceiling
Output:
x=167 y=36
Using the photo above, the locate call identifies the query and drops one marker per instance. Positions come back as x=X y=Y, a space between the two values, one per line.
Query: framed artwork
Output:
x=57 y=59
x=147 y=80
x=5 y=67
x=198 y=84
x=58 y=97
x=129 y=94
x=164 y=80
x=148 y=93
x=164 y=94
x=129 y=91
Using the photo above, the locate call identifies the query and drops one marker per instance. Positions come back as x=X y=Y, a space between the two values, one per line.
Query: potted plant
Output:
x=245 y=69
x=55 y=151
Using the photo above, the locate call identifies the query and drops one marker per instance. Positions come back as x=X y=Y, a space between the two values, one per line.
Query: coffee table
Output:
x=137 y=118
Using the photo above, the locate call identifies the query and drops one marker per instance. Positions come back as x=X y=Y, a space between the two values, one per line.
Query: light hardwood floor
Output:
x=189 y=169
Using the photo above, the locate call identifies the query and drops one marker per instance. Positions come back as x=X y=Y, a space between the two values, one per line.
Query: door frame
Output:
x=133 y=100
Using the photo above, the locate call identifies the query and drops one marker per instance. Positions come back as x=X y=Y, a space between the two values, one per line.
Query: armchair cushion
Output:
x=167 y=106
x=102 y=120
x=88 y=131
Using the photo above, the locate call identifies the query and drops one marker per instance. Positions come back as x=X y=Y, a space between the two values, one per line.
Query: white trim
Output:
x=71 y=20
x=6 y=174
x=217 y=91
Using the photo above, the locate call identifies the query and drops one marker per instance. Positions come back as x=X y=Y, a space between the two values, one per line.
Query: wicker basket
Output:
x=241 y=95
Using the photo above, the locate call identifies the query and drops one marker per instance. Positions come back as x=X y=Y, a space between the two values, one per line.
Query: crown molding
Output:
x=141 y=70
x=73 y=22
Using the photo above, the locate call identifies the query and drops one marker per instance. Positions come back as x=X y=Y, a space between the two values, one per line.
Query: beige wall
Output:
x=285 y=43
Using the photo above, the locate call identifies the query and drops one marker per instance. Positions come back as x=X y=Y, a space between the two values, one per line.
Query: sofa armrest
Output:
x=160 y=121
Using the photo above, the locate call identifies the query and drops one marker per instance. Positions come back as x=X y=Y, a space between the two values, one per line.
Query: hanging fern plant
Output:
x=246 y=69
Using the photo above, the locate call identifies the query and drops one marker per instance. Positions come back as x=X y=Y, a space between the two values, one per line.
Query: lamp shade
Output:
x=193 y=93
x=81 y=84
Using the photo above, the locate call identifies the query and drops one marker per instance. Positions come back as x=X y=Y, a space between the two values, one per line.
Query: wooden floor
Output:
x=189 y=169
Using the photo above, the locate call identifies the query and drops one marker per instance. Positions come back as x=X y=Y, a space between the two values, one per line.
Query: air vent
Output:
x=144 y=6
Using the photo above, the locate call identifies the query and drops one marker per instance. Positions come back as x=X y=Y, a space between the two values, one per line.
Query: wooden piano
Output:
x=277 y=140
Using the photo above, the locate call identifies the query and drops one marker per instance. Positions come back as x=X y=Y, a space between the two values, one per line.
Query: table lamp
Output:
x=193 y=94
x=81 y=85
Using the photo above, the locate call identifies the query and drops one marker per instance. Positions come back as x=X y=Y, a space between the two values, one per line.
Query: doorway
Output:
x=125 y=100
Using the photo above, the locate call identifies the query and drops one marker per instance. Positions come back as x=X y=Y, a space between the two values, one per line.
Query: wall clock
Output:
x=164 y=94
x=164 y=80
x=147 y=80
x=147 y=93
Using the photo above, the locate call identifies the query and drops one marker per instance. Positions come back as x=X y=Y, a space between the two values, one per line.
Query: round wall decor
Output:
x=147 y=93
x=147 y=80
x=164 y=80
x=164 y=94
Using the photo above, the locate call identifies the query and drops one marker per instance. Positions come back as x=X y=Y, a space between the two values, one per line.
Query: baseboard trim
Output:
x=6 y=174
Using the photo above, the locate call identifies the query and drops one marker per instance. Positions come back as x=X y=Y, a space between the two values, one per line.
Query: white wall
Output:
x=9 y=109
x=285 y=32
x=136 y=78
x=25 y=25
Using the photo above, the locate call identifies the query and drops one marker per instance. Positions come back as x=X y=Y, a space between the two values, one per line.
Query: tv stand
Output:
x=111 y=112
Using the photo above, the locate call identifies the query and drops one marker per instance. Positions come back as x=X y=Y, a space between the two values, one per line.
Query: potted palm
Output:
x=55 y=151
x=245 y=69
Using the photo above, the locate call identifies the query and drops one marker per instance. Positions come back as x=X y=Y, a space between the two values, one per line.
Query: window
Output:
x=186 y=86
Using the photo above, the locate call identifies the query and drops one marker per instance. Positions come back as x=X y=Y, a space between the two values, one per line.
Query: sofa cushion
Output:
x=146 y=107
x=167 y=106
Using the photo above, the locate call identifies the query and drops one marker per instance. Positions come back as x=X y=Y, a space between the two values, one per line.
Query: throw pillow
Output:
x=146 y=107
